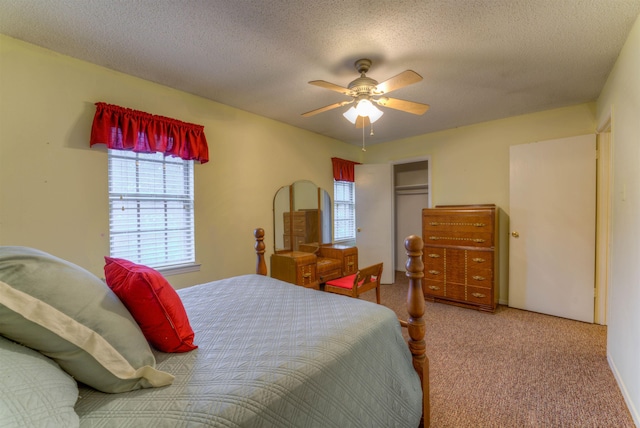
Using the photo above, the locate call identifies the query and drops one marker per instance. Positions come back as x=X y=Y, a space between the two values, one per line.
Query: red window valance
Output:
x=343 y=170
x=122 y=128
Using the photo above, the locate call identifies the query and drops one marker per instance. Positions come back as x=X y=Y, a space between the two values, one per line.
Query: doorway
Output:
x=411 y=194
x=389 y=199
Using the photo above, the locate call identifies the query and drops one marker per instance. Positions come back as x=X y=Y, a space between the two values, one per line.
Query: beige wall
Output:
x=470 y=165
x=619 y=102
x=53 y=187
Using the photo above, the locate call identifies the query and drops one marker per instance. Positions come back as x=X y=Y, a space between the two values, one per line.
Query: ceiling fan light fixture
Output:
x=366 y=92
x=375 y=114
x=364 y=108
x=351 y=115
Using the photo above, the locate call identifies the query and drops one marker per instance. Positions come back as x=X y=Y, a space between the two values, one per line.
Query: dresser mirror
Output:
x=301 y=215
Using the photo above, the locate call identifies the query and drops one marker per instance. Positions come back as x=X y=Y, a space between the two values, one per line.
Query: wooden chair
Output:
x=353 y=285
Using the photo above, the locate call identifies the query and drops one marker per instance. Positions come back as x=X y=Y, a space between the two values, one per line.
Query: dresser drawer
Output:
x=433 y=256
x=350 y=264
x=433 y=288
x=480 y=259
x=469 y=223
x=480 y=277
x=463 y=239
x=435 y=274
x=306 y=275
x=479 y=295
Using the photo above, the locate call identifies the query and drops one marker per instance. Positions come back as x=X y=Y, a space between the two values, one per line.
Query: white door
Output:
x=552 y=221
x=374 y=217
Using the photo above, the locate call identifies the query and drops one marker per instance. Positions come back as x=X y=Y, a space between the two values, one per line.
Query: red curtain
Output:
x=343 y=170
x=121 y=128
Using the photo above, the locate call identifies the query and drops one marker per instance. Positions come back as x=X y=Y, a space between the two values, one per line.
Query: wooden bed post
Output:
x=261 y=265
x=416 y=325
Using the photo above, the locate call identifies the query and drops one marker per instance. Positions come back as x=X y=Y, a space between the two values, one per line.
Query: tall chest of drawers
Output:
x=461 y=255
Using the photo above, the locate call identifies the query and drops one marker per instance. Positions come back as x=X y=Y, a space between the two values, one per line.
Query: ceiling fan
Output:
x=366 y=92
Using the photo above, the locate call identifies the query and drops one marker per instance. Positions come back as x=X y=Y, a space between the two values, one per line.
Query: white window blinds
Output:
x=151 y=208
x=344 y=210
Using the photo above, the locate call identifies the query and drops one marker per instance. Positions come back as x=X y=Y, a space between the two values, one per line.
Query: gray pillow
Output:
x=71 y=316
x=35 y=391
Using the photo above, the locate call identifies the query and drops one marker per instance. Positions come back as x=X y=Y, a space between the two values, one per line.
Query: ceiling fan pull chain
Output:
x=363 y=149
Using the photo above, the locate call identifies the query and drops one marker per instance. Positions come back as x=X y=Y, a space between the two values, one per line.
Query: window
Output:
x=151 y=209
x=344 y=210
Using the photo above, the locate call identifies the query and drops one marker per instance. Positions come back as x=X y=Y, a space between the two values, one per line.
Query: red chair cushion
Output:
x=344 y=282
x=153 y=303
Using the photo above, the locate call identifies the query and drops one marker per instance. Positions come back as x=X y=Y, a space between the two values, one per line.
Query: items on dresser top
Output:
x=461 y=255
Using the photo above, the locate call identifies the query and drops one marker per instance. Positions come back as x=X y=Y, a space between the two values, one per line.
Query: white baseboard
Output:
x=625 y=394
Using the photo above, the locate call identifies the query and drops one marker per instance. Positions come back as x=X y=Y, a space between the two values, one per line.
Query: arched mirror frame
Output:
x=298 y=197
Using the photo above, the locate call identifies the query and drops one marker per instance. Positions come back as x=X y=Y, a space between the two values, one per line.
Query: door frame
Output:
x=427 y=159
x=604 y=183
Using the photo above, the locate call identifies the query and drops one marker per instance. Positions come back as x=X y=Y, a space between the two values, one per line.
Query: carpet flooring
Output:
x=514 y=368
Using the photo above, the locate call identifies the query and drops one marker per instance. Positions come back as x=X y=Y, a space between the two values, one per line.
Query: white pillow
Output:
x=70 y=315
x=35 y=391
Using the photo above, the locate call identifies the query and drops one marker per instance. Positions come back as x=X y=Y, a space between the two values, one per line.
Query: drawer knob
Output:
x=479 y=278
x=434 y=256
x=478 y=295
x=478 y=260
x=434 y=287
x=434 y=272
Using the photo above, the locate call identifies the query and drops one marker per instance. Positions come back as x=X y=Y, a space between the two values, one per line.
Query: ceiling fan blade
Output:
x=362 y=121
x=326 y=108
x=331 y=86
x=406 y=106
x=398 y=81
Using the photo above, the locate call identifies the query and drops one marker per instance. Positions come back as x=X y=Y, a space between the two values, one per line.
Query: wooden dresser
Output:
x=296 y=267
x=314 y=264
x=347 y=255
x=461 y=255
x=299 y=227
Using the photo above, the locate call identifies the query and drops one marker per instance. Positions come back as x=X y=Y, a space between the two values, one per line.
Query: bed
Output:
x=269 y=354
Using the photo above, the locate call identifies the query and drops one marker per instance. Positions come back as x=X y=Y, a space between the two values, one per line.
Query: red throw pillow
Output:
x=153 y=303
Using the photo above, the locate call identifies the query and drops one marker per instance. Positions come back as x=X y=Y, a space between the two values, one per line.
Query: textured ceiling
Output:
x=480 y=59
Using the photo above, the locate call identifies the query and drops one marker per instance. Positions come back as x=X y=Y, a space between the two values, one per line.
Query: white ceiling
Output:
x=480 y=59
